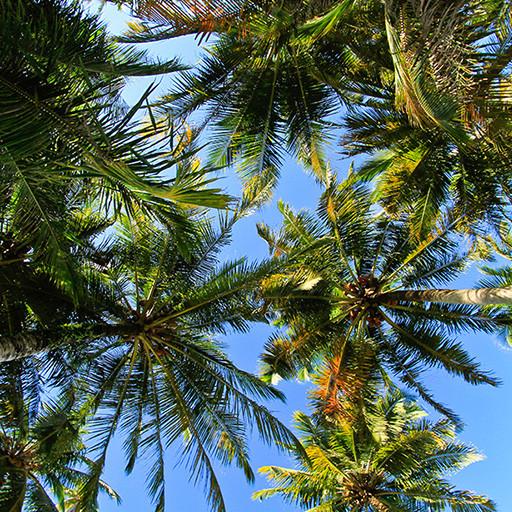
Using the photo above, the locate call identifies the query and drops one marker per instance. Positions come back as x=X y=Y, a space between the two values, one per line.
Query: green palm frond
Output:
x=152 y=369
x=339 y=290
x=390 y=458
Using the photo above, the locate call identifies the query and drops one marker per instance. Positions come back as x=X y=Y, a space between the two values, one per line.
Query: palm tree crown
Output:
x=42 y=451
x=67 y=140
x=342 y=296
x=266 y=85
x=148 y=362
x=392 y=460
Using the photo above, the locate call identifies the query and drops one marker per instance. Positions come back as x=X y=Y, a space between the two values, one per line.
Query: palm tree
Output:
x=144 y=357
x=265 y=85
x=162 y=375
x=425 y=171
x=442 y=54
x=40 y=313
x=391 y=460
x=426 y=81
x=429 y=168
x=42 y=453
x=361 y=284
x=440 y=126
x=66 y=135
x=73 y=157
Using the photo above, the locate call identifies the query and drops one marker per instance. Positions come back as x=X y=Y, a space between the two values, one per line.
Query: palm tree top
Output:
x=358 y=278
x=143 y=354
x=392 y=459
x=42 y=450
x=151 y=367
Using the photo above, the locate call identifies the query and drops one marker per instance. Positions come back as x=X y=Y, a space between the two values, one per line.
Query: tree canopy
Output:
x=118 y=283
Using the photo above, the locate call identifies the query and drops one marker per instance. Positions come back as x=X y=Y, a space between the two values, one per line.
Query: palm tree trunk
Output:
x=21 y=345
x=478 y=296
x=29 y=343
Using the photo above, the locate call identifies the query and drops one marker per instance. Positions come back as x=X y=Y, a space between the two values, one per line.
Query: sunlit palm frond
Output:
x=340 y=290
x=389 y=457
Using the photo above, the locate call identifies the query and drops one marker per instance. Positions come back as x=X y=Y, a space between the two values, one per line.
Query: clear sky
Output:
x=486 y=411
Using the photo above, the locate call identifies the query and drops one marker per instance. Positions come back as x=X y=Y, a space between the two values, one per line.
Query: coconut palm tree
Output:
x=144 y=357
x=426 y=81
x=393 y=459
x=265 y=85
x=440 y=126
x=66 y=135
x=428 y=168
x=359 y=282
x=158 y=374
x=40 y=313
x=73 y=157
x=42 y=453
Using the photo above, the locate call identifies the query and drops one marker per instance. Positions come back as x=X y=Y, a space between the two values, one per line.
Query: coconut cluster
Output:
x=364 y=292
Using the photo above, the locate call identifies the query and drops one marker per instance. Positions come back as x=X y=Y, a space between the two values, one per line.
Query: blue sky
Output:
x=486 y=411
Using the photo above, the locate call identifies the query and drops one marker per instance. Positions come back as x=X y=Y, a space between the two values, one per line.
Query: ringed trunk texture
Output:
x=30 y=343
x=21 y=345
x=478 y=296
